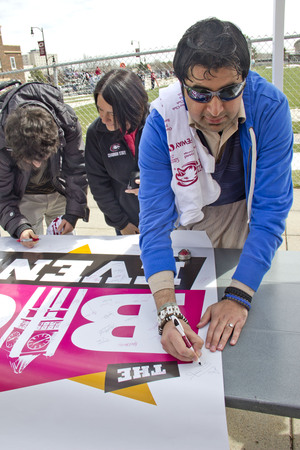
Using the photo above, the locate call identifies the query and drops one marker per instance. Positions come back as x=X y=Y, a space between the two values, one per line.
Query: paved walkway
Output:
x=247 y=430
x=296 y=157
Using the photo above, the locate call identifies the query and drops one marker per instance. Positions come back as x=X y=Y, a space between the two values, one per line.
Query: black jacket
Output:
x=109 y=163
x=67 y=165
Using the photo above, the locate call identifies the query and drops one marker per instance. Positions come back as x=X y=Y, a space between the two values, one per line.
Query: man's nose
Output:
x=215 y=106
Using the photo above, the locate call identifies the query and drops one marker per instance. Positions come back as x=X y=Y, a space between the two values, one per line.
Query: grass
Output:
x=296 y=148
x=86 y=115
x=296 y=178
x=152 y=94
x=291 y=82
x=296 y=127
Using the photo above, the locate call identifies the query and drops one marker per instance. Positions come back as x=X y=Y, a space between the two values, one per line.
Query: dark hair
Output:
x=31 y=133
x=124 y=91
x=212 y=44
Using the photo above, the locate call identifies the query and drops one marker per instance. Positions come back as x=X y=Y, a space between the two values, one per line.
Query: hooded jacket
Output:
x=109 y=163
x=67 y=165
x=266 y=139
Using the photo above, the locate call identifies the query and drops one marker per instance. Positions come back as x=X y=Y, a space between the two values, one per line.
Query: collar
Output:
x=214 y=139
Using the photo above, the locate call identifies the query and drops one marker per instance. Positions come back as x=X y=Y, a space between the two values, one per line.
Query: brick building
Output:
x=10 y=60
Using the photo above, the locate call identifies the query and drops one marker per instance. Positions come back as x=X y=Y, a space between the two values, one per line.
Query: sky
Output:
x=78 y=29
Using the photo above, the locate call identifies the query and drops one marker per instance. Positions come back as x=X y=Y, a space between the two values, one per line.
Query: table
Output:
x=261 y=373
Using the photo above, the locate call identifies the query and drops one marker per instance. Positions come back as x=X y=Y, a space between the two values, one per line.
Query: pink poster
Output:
x=59 y=331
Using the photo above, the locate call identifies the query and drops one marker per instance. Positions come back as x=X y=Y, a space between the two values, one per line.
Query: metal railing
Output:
x=77 y=79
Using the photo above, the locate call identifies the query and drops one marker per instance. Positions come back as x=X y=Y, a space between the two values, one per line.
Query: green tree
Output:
x=37 y=75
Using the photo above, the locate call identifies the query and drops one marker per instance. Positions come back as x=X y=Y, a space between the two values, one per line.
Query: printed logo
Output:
x=187 y=175
x=180 y=144
x=115 y=147
x=120 y=376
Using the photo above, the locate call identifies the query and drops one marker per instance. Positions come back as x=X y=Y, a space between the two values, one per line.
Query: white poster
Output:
x=81 y=364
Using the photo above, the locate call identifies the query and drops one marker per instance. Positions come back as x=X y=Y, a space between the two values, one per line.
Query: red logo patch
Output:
x=187 y=175
x=115 y=147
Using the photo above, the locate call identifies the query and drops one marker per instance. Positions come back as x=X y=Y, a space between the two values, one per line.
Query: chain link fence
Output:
x=77 y=79
x=261 y=62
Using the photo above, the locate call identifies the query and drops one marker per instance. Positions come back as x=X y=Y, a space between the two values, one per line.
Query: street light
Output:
x=42 y=47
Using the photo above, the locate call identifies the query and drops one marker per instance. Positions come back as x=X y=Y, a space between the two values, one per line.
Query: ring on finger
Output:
x=230 y=325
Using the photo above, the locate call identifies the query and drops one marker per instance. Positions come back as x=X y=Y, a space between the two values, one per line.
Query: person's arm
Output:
x=100 y=183
x=157 y=203
x=74 y=173
x=157 y=217
x=162 y=288
x=273 y=193
x=271 y=203
x=11 y=218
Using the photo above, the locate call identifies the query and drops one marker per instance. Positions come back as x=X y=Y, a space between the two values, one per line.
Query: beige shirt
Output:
x=216 y=141
x=232 y=218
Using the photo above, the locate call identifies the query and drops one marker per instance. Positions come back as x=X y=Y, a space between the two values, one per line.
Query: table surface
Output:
x=261 y=373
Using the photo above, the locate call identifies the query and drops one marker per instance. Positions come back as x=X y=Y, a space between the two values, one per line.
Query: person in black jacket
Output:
x=42 y=173
x=111 y=152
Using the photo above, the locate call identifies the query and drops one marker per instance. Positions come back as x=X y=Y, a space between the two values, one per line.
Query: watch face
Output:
x=12 y=339
x=38 y=341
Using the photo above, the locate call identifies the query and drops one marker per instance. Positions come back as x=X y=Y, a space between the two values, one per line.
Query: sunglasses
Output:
x=225 y=94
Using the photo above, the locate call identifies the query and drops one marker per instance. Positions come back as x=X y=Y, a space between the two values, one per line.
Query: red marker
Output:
x=179 y=328
x=28 y=240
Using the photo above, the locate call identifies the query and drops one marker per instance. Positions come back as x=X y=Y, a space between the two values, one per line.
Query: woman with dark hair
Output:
x=111 y=152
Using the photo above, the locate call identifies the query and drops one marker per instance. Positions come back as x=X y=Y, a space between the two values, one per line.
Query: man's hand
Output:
x=226 y=318
x=65 y=227
x=130 y=229
x=173 y=343
x=29 y=234
x=171 y=339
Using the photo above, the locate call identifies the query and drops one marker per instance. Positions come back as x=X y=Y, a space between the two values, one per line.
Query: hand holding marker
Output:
x=179 y=328
x=28 y=240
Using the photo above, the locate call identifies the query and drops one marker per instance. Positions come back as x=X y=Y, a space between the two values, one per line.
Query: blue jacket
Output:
x=268 y=125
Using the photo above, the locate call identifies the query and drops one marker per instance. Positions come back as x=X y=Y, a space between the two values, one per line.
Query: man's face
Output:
x=215 y=115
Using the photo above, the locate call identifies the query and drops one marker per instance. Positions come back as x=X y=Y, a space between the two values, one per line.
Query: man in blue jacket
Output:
x=215 y=155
